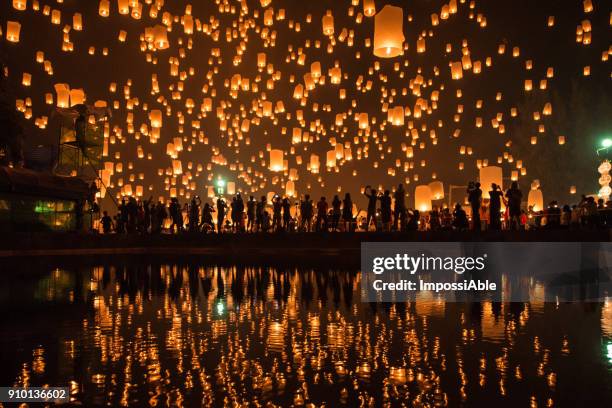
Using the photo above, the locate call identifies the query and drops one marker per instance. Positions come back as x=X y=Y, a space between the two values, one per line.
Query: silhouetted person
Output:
x=207 y=218
x=277 y=207
x=286 y=205
x=336 y=212
x=372 y=198
x=460 y=220
x=514 y=197
x=240 y=212
x=176 y=215
x=260 y=211
x=107 y=223
x=194 y=214
x=306 y=210
x=495 y=200
x=434 y=219
x=221 y=211
x=475 y=198
x=321 y=223
x=347 y=212
x=399 y=207
x=251 y=204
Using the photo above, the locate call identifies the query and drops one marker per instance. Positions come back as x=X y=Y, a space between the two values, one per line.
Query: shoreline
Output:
x=279 y=246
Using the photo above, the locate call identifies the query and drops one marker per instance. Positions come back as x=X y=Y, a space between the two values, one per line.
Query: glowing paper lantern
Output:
x=422 y=198
x=19 y=4
x=437 y=190
x=535 y=199
x=63 y=95
x=331 y=158
x=177 y=167
x=276 y=160
x=155 y=116
x=488 y=176
x=13 y=29
x=290 y=188
x=104 y=8
x=314 y=163
x=389 y=32
x=77 y=97
x=161 y=37
x=124 y=7
x=231 y=188
x=456 y=70
x=369 y=8
x=328 y=23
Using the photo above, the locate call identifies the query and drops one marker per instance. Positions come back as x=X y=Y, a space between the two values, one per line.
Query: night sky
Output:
x=581 y=105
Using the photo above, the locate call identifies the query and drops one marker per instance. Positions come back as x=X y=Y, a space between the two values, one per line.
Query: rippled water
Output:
x=144 y=333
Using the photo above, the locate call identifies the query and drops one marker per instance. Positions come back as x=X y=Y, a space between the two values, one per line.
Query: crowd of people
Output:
x=386 y=211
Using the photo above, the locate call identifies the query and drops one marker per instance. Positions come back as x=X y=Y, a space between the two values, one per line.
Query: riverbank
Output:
x=276 y=245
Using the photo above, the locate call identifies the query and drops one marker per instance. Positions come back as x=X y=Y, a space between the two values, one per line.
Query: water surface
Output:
x=142 y=332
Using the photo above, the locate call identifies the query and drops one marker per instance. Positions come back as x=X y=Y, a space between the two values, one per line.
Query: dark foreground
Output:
x=273 y=247
x=147 y=331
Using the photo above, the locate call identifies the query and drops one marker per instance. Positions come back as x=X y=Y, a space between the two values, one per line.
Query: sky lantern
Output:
x=161 y=37
x=177 y=167
x=437 y=190
x=488 y=176
x=77 y=21
x=13 y=29
x=535 y=200
x=20 y=4
x=314 y=163
x=104 y=8
x=155 y=116
x=77 y=97
x=456 y=70
x=63 y=95
x=276 y=160
x=328 y=23
x=123 y=6
x=290 y=188
x=422 y=198
x=369 y=8
x=389 y=32
x=330 y=158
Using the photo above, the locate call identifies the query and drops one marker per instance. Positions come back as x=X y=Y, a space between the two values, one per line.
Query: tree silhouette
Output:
x=578 y=113
x=11 y=132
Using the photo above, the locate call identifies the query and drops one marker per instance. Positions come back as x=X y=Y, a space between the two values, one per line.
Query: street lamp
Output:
x=605 y=145
x=220 y=186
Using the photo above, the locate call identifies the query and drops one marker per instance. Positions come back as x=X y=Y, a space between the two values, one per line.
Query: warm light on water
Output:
x=156 y=334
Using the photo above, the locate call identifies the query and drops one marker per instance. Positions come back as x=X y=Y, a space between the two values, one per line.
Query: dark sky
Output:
x=581 y=105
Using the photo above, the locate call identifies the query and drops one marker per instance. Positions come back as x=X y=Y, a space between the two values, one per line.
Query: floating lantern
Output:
x=437 y=190
x=155 y=116
x=77 y=97
x=161 y=37
x=104 y=8
x=13 y=29
x=290 y=188
x=535 y=200
x=422 y=198
x=388 y=32
x=177 y=167
x=328 y=23
x=369 y=8
x=276 y=160
x=488 y=176
x=19 y=4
